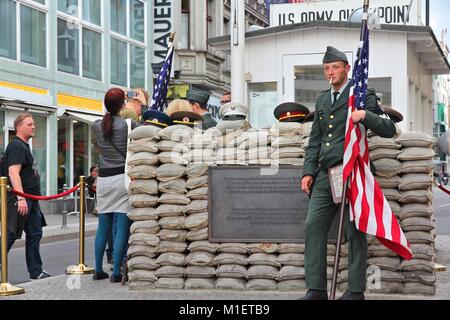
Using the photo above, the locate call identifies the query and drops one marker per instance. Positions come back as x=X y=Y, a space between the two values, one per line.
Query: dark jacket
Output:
x=327 y=139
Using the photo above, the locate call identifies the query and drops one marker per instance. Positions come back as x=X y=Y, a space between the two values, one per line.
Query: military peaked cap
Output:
x=156 y=118
x=291 y=112
x=186 y=118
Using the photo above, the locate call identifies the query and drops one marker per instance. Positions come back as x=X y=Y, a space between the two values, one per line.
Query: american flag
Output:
x=369 y=208
x=162 y=83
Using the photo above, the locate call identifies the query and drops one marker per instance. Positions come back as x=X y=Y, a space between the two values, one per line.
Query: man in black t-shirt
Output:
x=23 y=176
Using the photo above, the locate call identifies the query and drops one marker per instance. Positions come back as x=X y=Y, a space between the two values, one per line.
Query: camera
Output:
x=131 y=94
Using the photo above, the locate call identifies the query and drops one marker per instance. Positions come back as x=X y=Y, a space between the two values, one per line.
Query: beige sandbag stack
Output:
x=263 y=266
x=173 y=146
x=416 y=215
x=256 y=147
x=384 y=274
x=143 y=190
x=291 y=258
x=289 y=142
x=231 y=262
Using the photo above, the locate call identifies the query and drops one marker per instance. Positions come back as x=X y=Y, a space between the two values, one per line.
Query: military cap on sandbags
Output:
x=200 y=96
x=156 y=118
x=393 y=114
x=310 y=117
x=233 y=111
x=333 y=55
x=186 y=118
x=291 y=112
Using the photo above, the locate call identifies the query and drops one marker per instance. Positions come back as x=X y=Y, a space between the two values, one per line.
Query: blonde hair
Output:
x=178 y=105
x=144 y=92
x=19 y=119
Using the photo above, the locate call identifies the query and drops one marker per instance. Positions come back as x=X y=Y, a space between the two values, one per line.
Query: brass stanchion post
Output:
x=6 y=289
x=81 y=268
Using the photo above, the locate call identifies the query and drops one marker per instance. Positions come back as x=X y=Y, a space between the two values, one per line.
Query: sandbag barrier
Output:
x=169 y=246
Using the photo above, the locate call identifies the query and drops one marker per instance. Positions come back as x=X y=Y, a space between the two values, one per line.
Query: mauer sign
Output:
x=163 y=12
x=388 y=11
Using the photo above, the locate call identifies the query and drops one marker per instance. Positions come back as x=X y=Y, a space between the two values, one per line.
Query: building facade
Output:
x=403 y=62
x=57 y=60
x=197 y=64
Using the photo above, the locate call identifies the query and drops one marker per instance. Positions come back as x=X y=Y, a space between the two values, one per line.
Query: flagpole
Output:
x=344 y=192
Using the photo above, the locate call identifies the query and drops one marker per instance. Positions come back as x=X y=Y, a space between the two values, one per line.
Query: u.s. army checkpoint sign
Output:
x=246 y=206
x=388 y=11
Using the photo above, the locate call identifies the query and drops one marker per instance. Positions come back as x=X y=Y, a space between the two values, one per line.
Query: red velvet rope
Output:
x=444 y=189
x=37 y=198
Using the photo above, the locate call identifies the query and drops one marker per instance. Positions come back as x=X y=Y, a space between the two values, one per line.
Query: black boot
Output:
x=100 y=276
x=315 y=295
x=352 y=296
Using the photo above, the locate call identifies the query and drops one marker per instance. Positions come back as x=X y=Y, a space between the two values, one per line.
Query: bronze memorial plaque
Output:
x=246 y=206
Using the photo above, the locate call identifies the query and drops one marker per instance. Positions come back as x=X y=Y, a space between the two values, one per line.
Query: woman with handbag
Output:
x=112 y=197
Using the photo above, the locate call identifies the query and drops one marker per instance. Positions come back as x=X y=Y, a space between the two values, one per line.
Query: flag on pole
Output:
x=369 y=208
x=162 y=83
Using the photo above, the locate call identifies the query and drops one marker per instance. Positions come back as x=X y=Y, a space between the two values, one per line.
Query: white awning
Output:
x=83 y=117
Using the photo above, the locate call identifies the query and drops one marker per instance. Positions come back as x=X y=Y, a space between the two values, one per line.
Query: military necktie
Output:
x=335 y=97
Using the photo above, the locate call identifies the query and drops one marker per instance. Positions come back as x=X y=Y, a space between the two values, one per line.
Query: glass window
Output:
x=40 y=149
x=92 y=54
x=95 y=150
x=309 y=83
x=33 y=36
x=383 y=90
x=68 y=47
x=40 y=1
x=63 y=153
x=119 y=62
x=184 y=35
x=92 y=11
x=137 y=67
x=2 y=132
x=119 y=16
x=80 y=150
x=68 y=7
x=137 y=25
x=262 y=102
x=8 y=29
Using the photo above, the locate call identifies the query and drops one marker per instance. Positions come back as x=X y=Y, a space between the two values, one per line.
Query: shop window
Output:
x=33 y=36
x=68 y=52
x=95 y=150
x=80 y=151
x=382 y=87
x=63 y=153
x=39 y=144
x=2 y=132
x=8 y=34
x=262 y=103
x=92 y=54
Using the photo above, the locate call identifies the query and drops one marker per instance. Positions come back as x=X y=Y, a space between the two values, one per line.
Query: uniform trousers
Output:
x=321 y=214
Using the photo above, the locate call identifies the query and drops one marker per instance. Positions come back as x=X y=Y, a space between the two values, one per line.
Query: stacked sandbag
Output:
x=200 y=265
x=291 y=258
x=289 y=142
x=143 y=190
x=416 y=215
x=173 y=145
x=256 y=147
x=228 y=151
x=231 y=262
x=263 y=267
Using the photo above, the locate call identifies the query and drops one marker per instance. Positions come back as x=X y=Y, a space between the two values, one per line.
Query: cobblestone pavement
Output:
x=83 y=288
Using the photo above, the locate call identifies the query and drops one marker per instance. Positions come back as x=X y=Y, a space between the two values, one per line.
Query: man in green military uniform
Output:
x=326 y=150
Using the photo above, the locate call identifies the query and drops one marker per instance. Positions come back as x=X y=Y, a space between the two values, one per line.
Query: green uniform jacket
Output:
x=326 y=142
